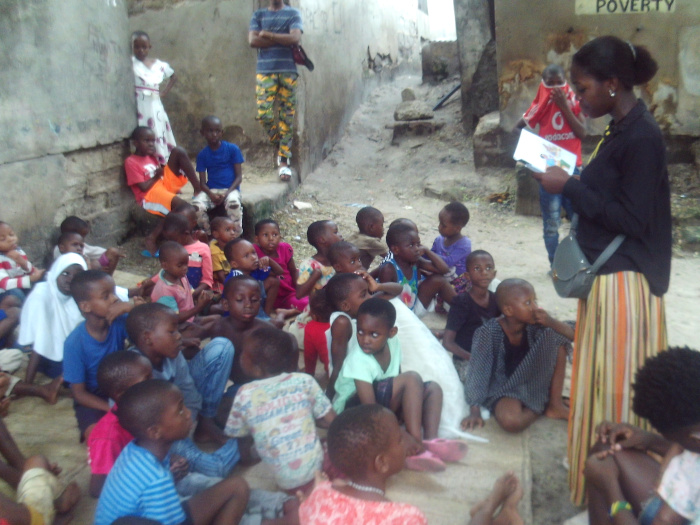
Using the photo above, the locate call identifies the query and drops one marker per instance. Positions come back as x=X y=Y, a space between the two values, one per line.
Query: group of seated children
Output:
x=141 y=410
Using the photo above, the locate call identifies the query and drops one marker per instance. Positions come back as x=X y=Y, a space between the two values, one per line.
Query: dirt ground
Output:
x=408 y=180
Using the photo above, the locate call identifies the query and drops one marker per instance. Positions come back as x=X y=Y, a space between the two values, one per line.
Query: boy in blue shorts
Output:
x=141 y=485
x=102 y=332
x=220 y=176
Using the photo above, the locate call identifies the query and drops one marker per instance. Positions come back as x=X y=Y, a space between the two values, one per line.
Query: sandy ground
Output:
x=365 y=169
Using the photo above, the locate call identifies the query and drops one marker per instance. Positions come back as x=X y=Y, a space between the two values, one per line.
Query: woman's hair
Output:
x=609 y=57
x=667 y=389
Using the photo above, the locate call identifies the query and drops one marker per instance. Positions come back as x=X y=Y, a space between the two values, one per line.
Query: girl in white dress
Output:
x=149 y=74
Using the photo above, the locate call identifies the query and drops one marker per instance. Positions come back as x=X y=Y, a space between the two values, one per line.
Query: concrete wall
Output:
x=206 y=42
x=670 y=29
x=67 y=104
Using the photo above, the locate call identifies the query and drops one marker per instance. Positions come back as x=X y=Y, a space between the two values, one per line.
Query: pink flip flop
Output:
x=425 y=462
x=447 y=449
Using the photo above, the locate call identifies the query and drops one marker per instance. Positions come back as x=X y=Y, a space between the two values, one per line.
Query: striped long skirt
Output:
x=618 y=327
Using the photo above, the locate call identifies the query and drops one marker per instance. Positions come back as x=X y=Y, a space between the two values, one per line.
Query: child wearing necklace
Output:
x=364 y=443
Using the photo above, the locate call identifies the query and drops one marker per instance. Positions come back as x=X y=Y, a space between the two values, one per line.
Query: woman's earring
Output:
x=612 y=93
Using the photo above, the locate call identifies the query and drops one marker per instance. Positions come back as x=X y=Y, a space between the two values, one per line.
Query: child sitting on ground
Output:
x=241 y=299
x=470 y=310
x=102 y=332
x=172 y=287
x=368 y=240
x=317 y=270
x=365 y=444
x=518 y=362
x=155 y=186
x=410 y=260
x=345 y=257
x=176 y=227
x=105 y=259
x=223 y=230
x=420 y=351
x=269 y=244
x=17 y=274
x=220 y=176
x=39 y=499
x=243 y=258
x=315 y=341
x=279 y=409
x=116 y=373
x=624 y=483
x=373 y=375
x=153 y=328
x=140 y=484
x=452 y=246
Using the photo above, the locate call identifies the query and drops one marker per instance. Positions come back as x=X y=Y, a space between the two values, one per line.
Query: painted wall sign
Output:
x=623 y=7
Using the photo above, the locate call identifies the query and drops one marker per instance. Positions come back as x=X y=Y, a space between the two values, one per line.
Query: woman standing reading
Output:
x=623 y=190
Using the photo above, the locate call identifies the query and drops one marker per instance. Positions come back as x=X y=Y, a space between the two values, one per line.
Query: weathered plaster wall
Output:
x=670 y=29
x=66 y=106
x=206 y=42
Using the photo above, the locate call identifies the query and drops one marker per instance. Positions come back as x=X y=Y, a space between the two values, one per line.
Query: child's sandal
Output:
x=449 y=450
x=285 y=173
x=426 y=461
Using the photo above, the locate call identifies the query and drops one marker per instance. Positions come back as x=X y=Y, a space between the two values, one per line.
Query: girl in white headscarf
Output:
x=49 y=315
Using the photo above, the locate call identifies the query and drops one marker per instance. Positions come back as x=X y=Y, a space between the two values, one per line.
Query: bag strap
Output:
x=607 y=253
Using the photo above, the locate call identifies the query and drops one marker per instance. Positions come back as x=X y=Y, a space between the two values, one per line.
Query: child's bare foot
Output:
x=557 y=410
x=68 y=498
x=502 y=489
x=49 y=392
x=412 y=445
x=509 y=511
x=4 y=384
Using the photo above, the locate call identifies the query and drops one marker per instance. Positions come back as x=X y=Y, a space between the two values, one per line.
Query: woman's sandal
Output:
x=285 y=173
x=449 y=450
x=426 y=461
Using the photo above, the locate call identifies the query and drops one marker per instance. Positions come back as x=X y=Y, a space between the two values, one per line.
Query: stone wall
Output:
x=555 y=30
x=66 y=108
x=353 y=45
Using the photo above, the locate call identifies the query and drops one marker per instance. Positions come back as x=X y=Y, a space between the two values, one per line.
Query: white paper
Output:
x=538 y=154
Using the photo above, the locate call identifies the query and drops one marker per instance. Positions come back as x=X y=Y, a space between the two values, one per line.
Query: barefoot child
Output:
x=172 y=288
x=153 y=328
x=268 y=243
x=365 y=444
x=154 y=183
x=452 y=246
x=149 y=74
x=280 y=408
x=370 y=223
x=470 y=310
x=410 y=259
x=17 y=274
x=223 y=230
x=518 y=362
x=105 y=259
x=103 y=332
x=373 y=375
x=501 y=505
x=220 y=176
x=625 y=485
x=243 y=258
x=140 y=483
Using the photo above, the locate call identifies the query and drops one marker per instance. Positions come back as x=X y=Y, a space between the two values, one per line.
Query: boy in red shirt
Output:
x=558 y=114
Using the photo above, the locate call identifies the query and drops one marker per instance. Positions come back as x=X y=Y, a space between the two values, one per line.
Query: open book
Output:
x=538 y=154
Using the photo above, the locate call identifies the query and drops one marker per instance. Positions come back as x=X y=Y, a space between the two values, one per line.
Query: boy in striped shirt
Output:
x=141 y=485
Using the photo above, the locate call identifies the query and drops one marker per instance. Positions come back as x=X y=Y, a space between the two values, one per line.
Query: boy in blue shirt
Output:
x=102 y=332
x=220 y=176
x=141 y=485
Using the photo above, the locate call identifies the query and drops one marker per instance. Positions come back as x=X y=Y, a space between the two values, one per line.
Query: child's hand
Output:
x=158 y=172
x=372 y=285
x=472 y=422
x=136 y=301
x=216 y=198
x=422 y=250
x=264 y=262
x=559 y=98
x=36 y=275
x=623 y=435
x=204 y=298
x=179 y=467
x=145 y=288
x=114 y=254
x=542 y=317
x=17 y=257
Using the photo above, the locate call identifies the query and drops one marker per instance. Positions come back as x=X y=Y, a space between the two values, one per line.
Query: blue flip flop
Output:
x=149 y=255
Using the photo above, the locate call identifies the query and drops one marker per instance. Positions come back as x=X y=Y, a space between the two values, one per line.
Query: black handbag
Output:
x=301 y=58
x=572 y=274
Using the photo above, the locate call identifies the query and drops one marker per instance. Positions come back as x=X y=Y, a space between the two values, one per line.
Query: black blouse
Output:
x=625 y=189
